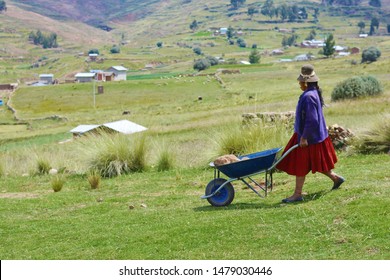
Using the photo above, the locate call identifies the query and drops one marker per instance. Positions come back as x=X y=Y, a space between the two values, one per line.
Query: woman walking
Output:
x=315 y=152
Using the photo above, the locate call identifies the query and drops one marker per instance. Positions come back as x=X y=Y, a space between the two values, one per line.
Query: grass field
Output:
x=154 y=215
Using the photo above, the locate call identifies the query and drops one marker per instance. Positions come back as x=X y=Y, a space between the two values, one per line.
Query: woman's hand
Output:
x=303 y=142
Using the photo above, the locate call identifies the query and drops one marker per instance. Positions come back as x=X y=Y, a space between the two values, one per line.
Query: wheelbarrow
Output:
x=220 y=191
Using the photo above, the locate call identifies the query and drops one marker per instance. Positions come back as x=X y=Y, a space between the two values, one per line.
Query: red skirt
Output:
x=319 y=157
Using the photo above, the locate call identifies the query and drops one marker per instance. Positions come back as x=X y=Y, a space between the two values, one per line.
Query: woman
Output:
x=315 y=152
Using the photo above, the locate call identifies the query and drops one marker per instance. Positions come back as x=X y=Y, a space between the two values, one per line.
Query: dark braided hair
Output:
x=319 y=91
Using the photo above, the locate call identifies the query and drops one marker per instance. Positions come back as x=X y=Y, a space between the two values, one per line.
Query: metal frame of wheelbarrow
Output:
x=220 y=191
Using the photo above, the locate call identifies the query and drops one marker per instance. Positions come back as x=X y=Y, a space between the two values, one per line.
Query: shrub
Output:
x=43 y=166
x=159 y=44
x=371 y=54
x=355 y=87
x=197 y=51
x=376 y=140
x=94 y=179
x=201 y=64
x=254 y=56
x=113 y=155
x=165 y=161
x=57 y=183
x=213 y=60
x=115 y=49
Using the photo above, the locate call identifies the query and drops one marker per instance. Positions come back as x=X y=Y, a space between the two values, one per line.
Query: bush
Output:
x=94 y=179
x=57 y=183
x=376 y=140
x=355 y=87
x=201 y=64
x=213 y=60
x=113 y=155
x=115 y=49
x=197 y=51
x=165 y=161
x=43 y=166
x=371 y=54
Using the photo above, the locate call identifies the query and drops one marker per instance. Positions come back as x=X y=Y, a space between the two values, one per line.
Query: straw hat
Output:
x=307 y=74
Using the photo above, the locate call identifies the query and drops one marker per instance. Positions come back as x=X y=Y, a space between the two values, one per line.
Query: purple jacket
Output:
x=309 y=119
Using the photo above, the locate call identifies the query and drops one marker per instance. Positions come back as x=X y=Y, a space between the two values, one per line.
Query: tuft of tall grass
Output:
x=112 y=155
x=377 y=140
x=57 y=183
x=2 y=170
x=242 y=139
x=165 y=161
x=43 y=166
x=94 y=179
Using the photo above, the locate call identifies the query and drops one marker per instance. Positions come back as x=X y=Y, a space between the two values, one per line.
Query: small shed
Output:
x=85 y=77
x=93 y=56
x=46 y=78
x=122 y=126
x=120 y=73
x=82 y=129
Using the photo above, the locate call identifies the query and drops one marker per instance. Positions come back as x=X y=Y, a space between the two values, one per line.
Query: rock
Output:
x=53 y=171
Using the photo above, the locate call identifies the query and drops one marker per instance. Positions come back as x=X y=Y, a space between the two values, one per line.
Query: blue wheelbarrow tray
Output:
x=220 y=191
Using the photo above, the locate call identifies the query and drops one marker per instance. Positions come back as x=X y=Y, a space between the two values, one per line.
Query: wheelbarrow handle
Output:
x=283 y=156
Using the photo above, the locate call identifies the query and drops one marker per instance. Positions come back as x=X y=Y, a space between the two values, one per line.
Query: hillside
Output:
x=138 y=25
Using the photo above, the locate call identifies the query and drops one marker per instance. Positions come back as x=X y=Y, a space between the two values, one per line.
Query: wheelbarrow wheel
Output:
x=224 y=196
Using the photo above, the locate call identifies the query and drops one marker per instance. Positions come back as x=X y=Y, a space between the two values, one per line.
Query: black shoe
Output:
x=288 y=200
x=338 y=183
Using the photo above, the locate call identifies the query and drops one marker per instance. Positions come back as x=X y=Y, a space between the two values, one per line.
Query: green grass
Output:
x=80 y=223
x=185 y=134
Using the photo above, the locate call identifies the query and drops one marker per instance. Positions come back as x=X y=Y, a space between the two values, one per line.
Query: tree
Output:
x=241 y=42
x=252 y=11
x=201 y=64
x=92 y=51
x=328 y=49
x=197 y=50
x=3 y=6
x=159 y=44
x=289 y=41
x=388 y=28
x=254 y=56
x=375 y=3
x=312 y=35
x=371 y=54
x=361 y=25
x=374 y=25
x=237 y=3
x=194 y=25
x=230 y=32
x=115 y=49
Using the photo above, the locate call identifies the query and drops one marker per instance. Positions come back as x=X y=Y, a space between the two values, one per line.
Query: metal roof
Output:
x=125 y=126
x=85 y=75
x=84 y=128
x=119 y=68
x=122 y=126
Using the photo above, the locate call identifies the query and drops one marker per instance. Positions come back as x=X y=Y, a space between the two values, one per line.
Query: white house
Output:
x=85 y=77
x=46 y=78
x=120 y=73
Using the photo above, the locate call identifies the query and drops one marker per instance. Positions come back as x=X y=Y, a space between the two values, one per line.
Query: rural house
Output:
x=120 y=73
x=85 y=77
x=46 y=78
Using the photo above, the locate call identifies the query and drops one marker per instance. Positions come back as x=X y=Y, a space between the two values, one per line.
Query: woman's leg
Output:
x=297 y=196
x=337 y=180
